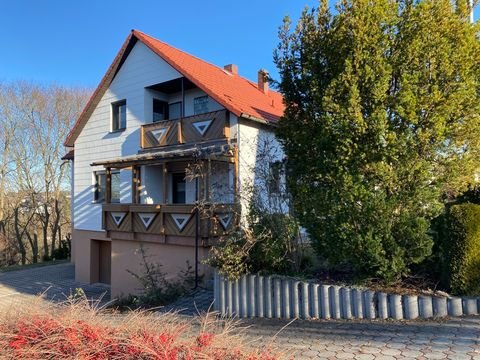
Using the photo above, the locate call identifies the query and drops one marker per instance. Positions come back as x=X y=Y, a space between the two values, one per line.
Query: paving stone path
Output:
x=316 y=339
x=448 y=339
x=55 y=282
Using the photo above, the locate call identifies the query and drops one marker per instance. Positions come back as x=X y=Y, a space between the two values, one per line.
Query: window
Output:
x=200 y=105
x=119 y=115
x=115 y=187
x=178 y=186
x=101 y=186
x=175 y=110
x=160 y=110
x=274 y=177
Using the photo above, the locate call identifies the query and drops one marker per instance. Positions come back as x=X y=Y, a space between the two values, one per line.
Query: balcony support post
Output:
x=165 y=183
x=108 y=185
x=136 y=184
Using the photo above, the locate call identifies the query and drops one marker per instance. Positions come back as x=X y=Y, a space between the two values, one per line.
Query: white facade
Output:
x=97 y=142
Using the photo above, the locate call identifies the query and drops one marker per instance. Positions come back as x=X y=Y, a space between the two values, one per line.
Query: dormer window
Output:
x=200 y=105
x=175 y=110
x=160 y=110
x=119 y=115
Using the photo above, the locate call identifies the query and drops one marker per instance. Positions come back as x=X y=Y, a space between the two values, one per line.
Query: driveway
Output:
x=55 y=282
x=448 y=339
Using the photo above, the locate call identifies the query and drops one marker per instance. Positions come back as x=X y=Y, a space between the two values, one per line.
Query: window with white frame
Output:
x=119 y=115
x=100 y=186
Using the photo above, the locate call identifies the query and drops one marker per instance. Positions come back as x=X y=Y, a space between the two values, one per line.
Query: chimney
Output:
x=263 y=80
x=231 y=68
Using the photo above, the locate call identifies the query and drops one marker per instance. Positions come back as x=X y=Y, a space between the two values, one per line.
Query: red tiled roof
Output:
x=237 y=94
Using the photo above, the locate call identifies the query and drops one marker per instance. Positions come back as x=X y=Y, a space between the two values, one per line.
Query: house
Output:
x=160 y=156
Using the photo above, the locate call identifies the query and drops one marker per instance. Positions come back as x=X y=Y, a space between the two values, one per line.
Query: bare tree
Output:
x=36 y=120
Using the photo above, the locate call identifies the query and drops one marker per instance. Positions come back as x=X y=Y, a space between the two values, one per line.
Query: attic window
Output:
x=200 y=105
x=119 y=115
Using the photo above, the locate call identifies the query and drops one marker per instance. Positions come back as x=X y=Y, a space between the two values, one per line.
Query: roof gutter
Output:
x=258 y=120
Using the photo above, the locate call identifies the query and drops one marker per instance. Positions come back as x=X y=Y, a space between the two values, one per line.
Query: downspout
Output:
x=197 y=223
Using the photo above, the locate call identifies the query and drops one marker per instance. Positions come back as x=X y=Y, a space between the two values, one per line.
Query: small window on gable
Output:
x=275 y=176
x=119 y=115
x=160 y=110
x=200 y=105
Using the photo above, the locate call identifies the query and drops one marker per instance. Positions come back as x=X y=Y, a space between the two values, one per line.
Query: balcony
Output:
x=168 y=222
x=192 y=129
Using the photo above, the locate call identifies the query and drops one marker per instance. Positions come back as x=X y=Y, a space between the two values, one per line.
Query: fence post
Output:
x=325 y=301
x=260 y=297
x=296 y=299
x=268 y=297
x=305 y=300
x=236 y=298
x=425 y=303
x=335 y=302
x=357 y=303
x=369 y=297
x=314 y=300
x=286 y=298
x=382 y=305
x=277 y=297
x=346 y=303
x=455 y=307
x=470 y=306
x=216 y=288
x=243 y=296
x=396 y=310
x=229 y=294
x=411 y=306
x=222 y=296
x=440 y=308
x=252 y=293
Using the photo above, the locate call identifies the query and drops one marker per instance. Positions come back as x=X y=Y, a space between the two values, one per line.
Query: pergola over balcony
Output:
x=205 y=218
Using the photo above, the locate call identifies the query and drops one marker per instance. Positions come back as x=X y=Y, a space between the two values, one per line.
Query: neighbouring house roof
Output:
x=69 y=155
x=237 y=94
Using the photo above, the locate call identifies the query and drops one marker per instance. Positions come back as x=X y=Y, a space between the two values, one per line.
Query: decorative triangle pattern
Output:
x=180 y=220
x=147 y=219
x=118 y=217
x=202 y=126
x=225 y=220
x=159 y=134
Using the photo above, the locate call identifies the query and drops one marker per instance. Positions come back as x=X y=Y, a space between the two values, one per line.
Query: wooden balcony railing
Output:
x=192 y=129
x=170 y=219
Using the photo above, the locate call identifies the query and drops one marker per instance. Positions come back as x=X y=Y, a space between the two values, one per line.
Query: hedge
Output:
x=462 y=249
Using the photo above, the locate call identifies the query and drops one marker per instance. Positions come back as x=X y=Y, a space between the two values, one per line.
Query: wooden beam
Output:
x=108 y=185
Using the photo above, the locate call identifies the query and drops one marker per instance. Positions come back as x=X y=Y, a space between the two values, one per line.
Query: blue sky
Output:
x=73 y=42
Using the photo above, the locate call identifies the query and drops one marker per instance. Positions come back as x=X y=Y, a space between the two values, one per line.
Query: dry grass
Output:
x=79 y=329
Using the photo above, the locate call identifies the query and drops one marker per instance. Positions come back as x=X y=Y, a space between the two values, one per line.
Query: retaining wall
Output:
x=279 y=297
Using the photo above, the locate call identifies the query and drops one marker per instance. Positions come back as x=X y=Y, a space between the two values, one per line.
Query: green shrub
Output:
x=461 y=249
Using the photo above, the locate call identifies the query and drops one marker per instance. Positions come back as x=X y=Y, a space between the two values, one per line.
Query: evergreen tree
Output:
x=381 y=124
